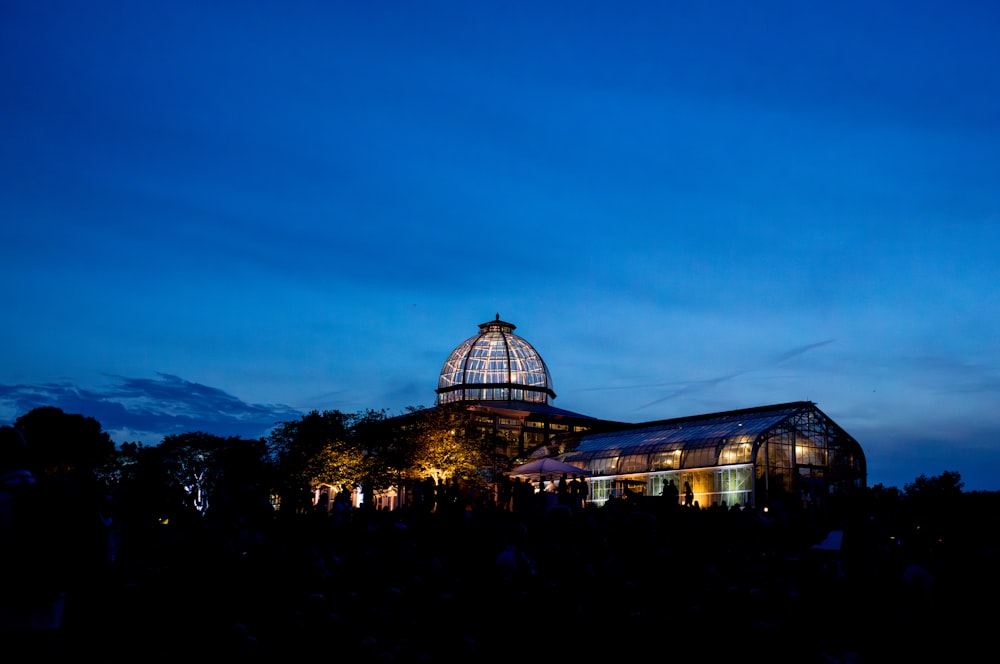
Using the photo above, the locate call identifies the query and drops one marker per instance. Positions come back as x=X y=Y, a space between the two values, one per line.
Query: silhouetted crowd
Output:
x=635 y=577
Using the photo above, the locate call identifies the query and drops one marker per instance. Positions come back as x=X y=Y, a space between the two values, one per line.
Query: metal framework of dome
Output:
x=495 y=365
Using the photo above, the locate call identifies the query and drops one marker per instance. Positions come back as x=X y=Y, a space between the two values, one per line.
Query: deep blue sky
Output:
x=221 y=215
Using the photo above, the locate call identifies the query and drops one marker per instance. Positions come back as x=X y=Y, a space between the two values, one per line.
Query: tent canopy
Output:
x=548 y=466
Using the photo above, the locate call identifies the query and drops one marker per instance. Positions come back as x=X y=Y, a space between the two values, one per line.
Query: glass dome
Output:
x=495 y=365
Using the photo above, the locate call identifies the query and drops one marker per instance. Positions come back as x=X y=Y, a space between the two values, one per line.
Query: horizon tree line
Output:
x=197 y=475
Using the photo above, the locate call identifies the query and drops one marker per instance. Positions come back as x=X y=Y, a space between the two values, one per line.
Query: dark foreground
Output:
x=701 y=585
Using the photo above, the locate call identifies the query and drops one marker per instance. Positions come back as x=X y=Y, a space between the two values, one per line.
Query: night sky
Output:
x=218 y=216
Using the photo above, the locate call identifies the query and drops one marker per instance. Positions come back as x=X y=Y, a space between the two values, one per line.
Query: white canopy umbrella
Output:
x=548 y=466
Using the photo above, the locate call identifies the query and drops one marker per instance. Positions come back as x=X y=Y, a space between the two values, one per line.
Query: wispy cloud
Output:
x=159 y=406
x=690 y=387
x=799 y=350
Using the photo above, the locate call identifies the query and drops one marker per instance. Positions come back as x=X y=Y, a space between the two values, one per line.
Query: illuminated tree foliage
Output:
x=444 y=442
x=331 y=448
x=384 y=459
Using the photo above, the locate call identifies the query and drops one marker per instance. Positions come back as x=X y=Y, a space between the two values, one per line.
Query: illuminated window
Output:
x=600 y=490
x=634 y=463
x=666 y=460
x=809 y=454
x=604 y=465
x=734 y=453
x=699 y=457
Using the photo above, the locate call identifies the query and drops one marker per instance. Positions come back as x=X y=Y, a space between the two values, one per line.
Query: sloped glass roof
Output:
x=703 y=440
x=684 y=434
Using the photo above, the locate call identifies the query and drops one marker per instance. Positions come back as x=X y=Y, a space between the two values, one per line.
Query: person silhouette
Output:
x=671 y=493
x=582 y=493
x=574 y=492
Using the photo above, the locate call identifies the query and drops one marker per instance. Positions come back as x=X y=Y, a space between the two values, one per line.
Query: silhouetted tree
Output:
x=63 y=444
x=141 y=485
x=189 y=475
x=120 y=466
x=199 y=462
x=934 y=506
x=244 y=485
x=948 y=485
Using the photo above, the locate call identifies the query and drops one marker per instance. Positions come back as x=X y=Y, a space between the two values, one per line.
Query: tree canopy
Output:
x=331 y=448
x=64 y=444
x=444 y=442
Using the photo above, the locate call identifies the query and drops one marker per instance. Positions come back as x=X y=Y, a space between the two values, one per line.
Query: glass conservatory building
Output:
x=791 y=453
x=753 y=457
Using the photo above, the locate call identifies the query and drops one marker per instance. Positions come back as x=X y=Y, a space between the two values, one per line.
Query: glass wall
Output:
x=730 y=486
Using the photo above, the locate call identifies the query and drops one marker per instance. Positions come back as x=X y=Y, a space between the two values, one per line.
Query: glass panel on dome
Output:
x=499 y=361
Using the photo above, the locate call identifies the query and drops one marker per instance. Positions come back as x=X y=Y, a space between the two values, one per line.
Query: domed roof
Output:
x=495 y=365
